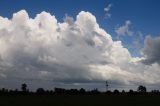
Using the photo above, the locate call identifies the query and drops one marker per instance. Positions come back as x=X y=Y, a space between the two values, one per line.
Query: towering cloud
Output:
x=79 y=51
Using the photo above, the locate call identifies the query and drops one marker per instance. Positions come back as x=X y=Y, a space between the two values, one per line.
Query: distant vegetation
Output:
x=141 y=90
x=78 y=97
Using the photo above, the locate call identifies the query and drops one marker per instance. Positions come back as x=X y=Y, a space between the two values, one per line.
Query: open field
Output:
x=78 y=100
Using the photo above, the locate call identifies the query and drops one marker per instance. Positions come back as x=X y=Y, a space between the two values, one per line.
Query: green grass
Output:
x=79 y=100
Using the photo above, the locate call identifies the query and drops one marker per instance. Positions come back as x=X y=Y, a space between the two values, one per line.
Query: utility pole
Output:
x=107 y=86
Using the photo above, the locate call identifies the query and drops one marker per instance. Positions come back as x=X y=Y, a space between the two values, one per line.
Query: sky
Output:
x=80 y=43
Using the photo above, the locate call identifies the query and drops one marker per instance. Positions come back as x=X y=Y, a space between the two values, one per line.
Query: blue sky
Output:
x=143 y=14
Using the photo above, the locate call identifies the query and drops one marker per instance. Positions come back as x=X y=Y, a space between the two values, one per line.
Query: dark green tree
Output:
x=142 y=89
x=40 y=91
x=24 y=87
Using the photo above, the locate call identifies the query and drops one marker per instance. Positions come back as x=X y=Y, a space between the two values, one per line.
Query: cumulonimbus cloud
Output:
x=42 y=48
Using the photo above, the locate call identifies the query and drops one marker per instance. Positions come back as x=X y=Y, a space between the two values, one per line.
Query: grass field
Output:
x=79 y=100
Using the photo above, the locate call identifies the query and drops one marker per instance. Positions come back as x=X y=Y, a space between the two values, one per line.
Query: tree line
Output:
x=141 y=90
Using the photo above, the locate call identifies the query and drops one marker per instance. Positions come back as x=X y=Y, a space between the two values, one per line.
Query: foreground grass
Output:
x=78 y=100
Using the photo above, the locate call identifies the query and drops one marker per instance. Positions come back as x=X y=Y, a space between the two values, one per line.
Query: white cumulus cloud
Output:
x=44 y=49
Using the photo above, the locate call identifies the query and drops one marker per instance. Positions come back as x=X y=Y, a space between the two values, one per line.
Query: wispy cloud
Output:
x=124 y=30
x=107 y=10
x=138 y=41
